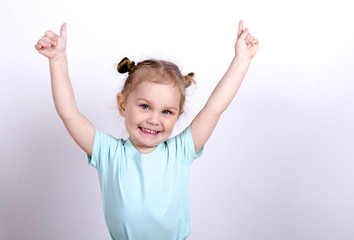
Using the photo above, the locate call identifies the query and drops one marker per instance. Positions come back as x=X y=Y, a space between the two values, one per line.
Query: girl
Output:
x=144 y=179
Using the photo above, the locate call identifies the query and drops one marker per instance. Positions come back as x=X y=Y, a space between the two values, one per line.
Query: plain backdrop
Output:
x=280 y=163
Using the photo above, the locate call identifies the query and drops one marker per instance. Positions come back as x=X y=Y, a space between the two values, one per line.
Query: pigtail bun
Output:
x=189 y=79
x=125 y=65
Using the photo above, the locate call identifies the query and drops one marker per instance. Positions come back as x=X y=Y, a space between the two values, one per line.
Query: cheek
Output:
x=132 y=117
x=170 y=123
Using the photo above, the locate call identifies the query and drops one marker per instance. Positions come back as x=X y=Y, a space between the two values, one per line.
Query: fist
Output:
x=52 y=45
x=246 y=44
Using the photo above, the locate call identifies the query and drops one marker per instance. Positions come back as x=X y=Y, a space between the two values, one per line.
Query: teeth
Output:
x=149 y=131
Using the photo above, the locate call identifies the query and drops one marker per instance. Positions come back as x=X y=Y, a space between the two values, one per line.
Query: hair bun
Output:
x=189 y=79
x=125 y=65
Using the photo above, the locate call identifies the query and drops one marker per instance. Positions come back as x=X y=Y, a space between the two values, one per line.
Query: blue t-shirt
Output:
x=145 y=196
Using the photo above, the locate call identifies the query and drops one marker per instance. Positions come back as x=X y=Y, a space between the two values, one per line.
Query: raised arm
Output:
x=53 y=47
x=204 y=123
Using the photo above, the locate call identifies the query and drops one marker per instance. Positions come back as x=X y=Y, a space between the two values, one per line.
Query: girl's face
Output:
x=151 y=111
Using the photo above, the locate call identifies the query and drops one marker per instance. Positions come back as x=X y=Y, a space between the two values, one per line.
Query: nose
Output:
x=154 y=118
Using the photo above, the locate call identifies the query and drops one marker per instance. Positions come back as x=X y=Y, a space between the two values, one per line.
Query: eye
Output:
x=144 y=106
x=166 y=112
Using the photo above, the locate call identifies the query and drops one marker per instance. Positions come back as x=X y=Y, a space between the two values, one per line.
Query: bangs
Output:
x=155 y=76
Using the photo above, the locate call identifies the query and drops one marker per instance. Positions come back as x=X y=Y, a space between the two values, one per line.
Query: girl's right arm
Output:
x=80 y=128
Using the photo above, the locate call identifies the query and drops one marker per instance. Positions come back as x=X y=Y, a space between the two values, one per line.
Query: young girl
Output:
x=144 y=179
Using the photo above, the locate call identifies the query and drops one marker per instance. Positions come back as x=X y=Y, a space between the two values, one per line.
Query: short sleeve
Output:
x=104 y=145
x=185 y=145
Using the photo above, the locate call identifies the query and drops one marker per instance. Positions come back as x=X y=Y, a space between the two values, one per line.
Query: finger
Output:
x=244 y=34
x=43 y=44
x=255 y=40
x=251 y=38
x=37 y=47
x=248 y=38
x=51 y=35
x=63 y=31
x=240 y=28
x=49 y=41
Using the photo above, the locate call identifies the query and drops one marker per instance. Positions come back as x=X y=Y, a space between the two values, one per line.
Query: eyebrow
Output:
x=144 y=99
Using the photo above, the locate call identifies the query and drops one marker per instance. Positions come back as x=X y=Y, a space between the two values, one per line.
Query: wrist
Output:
x=242 y=59
x=58 y=57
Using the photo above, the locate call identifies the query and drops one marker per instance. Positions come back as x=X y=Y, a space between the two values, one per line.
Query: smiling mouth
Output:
x=149 y=131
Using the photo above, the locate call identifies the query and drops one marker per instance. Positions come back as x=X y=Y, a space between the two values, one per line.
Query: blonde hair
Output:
x=153 y=70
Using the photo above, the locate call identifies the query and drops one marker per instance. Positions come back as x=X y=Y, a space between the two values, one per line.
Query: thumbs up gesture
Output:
x=246 y=44
x=52 y=45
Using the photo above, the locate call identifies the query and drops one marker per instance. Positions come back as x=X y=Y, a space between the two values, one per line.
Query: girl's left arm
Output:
x=204 y=123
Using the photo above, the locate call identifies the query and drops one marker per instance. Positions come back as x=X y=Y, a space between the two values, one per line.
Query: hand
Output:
x=246 y=44
x=51 y=45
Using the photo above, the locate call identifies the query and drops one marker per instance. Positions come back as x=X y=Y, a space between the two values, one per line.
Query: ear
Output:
x=121 y=102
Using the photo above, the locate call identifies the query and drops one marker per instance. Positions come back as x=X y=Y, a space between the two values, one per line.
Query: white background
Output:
x=280 y=163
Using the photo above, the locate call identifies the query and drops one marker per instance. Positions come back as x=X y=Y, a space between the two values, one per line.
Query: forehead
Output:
x=166 y=94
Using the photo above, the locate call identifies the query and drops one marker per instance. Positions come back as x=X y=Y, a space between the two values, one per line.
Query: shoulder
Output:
x=106 y=143
x=105 y=137
x=105 y=148
x=180 y=138
x=183 y=145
